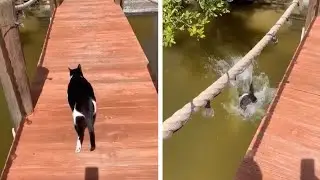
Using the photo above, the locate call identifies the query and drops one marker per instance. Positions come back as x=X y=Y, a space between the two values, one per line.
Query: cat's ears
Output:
x=79 y=67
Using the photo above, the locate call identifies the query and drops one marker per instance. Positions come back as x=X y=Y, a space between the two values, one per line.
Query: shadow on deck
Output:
x=38 y=83
x=307 y=171
x=250 y=170
x=91 y=173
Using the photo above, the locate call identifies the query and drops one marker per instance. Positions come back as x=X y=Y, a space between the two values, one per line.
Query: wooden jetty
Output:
x=287 y=143
x=97 y=35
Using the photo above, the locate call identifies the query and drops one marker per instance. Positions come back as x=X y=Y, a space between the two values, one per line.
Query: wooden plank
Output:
x=289 y=147
x=126 y=126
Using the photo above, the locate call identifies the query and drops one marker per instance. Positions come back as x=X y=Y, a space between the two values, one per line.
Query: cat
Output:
x=82 y=102
x=246 y=98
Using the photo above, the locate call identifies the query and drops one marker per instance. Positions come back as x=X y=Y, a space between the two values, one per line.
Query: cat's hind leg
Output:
x=78 y=119
x=80 y=132
x=92 y=138
x=78 y=141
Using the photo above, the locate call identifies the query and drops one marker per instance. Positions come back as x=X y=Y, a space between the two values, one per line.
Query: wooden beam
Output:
x=8 y=85
x=11 y=38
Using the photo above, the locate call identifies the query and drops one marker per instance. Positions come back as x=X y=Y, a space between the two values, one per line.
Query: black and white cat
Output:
x=247 y=98
x=82 y=102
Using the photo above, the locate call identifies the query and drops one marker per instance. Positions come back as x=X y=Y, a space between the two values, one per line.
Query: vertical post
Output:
x=11 y=36
x=302 y=34
x=9 y=88
x=119 y=2
x=317 y=8
x=53 y=5
x=313 y=7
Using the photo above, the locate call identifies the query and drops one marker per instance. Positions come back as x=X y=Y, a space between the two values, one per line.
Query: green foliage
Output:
x=183 y=15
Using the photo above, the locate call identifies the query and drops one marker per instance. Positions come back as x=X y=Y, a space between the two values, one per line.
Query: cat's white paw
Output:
x=78 y=147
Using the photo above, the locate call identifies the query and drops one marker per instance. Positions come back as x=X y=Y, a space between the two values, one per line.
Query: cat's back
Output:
x=79 y=87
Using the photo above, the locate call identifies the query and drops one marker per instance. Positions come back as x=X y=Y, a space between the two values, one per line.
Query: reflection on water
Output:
x=32 y=38
x=211 y=148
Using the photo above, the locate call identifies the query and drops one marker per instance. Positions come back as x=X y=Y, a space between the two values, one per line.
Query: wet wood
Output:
x=11 y=37
x=97 y=35
x=286 y=145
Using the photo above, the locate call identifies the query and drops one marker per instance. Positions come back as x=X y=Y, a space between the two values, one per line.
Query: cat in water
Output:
x=247 y=98
x=82 y=102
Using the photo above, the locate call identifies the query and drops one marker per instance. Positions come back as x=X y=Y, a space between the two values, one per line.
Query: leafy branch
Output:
x=183 y=15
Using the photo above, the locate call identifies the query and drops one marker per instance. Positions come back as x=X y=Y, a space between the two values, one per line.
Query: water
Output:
x=146 y=29
x=32 y=38
x=262 y=90
x=210 y=148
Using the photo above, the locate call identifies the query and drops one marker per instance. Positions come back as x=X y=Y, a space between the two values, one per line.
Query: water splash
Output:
x=241 y=84
x=208 y=112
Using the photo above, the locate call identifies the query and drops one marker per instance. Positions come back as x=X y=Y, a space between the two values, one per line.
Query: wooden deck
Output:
x=97 y=35
x=287 y=143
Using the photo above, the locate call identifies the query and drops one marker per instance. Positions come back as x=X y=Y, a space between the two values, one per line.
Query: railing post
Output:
x=13 y=63
x=53 y=5
x=119 y=2
x=317 y=8
x=8 y=85
x=313 y=8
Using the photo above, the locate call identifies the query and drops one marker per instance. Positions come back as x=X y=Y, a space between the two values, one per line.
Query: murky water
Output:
x=211 y=148
x=32 y=38
x=146 y=29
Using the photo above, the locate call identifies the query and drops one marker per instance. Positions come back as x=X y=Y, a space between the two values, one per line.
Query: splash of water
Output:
x=241 y=84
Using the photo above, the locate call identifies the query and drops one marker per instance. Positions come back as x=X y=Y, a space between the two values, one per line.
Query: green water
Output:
x=32 y=38
x=146 y=29
x=211 y=148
